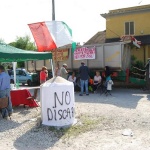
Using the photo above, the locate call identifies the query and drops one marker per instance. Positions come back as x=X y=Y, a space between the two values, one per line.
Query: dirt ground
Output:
x=117 y=122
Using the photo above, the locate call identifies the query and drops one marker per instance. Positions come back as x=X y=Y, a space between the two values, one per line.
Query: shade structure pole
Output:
x=52 y=67
x=53 y=9
x=14 y=69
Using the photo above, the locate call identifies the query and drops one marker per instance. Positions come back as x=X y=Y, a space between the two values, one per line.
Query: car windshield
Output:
x=19 y=72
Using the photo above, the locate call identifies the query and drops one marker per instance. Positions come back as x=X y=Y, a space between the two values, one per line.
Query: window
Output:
x=17 y=72
x=20 y=72
x=129 y=28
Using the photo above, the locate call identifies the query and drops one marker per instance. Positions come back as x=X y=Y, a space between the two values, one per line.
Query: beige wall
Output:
x=139 y=53
x=115 y=28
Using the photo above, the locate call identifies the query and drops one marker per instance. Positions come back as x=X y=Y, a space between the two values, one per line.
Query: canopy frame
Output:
x=12 y=54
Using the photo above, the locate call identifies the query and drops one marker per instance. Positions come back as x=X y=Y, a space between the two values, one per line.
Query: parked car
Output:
x=24 y=77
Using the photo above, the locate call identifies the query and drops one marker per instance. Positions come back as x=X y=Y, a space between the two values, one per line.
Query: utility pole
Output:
x=53 y=9
x=53 y=19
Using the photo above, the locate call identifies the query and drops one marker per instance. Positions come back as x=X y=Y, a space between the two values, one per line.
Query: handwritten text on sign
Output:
x=84 y=53
x=60 y=55
x=58 y=114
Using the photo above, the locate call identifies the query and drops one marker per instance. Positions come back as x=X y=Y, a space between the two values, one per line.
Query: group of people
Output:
x=84 y=74
x=58 y=72
x=84 y=81
x=95 y=82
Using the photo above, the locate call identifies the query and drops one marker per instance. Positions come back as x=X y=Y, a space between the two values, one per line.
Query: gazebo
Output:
x=12 y=54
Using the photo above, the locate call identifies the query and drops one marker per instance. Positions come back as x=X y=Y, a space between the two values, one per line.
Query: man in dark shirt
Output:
x=84 y=76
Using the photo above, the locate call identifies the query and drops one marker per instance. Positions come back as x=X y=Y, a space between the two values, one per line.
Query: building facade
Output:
x=130 y=22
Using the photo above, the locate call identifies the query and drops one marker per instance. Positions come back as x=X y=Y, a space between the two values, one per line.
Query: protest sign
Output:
x=84 y=53
x=60 y=55
x=57 y=99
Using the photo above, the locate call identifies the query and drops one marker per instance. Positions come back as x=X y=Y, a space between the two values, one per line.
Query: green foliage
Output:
x=20 y=64
x=139 y=64
x=7 y=65
x=137 y=69
x=2 y=40
x=136 y=63
x=25 y=44
x=133 y=58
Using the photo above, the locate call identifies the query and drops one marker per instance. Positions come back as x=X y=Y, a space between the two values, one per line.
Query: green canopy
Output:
x=12 y=54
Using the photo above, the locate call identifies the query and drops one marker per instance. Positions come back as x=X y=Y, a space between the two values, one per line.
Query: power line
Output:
x=112 y=31
x=140 y=2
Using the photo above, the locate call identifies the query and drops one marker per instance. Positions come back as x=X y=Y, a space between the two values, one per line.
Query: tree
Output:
x=25 y=44
x=2 y=40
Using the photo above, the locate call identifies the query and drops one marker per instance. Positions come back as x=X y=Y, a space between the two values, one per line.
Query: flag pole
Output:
x=53 y=19
x=53 y=9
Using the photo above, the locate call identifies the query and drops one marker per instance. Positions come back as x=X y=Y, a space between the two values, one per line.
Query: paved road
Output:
x=120 y=95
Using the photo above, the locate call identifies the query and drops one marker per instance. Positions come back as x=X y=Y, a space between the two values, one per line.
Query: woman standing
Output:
x=43 y=75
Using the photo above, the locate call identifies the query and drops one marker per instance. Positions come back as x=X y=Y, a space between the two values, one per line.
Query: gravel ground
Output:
x=101 y=122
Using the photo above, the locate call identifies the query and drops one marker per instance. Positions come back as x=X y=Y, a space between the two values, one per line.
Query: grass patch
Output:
x=84 y=124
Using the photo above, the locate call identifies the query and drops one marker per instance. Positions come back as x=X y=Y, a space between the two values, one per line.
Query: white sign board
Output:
x=136 y=43
x=84 y=53
x=57 y=103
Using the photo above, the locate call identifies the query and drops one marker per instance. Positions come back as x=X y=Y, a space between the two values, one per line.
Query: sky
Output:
x=82 y=16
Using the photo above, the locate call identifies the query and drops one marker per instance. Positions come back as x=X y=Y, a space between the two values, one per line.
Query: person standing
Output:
x=5 y=91
x=64 y=72
x=107 y=73
x=84 y=76
x=43 y=75
x=57 y=70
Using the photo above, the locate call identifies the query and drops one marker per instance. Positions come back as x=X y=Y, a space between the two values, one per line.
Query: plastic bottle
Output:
x=17 y=84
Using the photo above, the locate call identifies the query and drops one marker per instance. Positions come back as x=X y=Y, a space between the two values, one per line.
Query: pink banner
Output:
x=84 y=53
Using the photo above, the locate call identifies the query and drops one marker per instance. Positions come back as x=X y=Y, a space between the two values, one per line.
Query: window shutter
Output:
x=126 y=28
x=132 y=28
